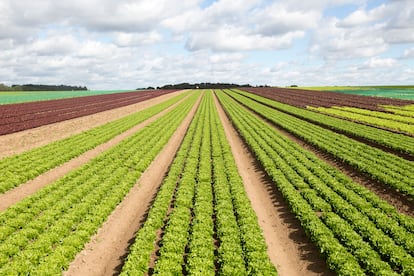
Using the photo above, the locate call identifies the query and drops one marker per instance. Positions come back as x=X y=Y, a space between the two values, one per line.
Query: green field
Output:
x=196 y=216
x=10 y=97
x=399 y=92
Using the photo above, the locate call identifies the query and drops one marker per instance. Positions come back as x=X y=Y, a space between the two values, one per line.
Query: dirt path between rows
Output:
x=105 y=253
x=20 y=192
x=19 y=142
x=288 y=247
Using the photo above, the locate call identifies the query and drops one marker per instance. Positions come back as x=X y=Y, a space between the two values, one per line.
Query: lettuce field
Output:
x=260 y=181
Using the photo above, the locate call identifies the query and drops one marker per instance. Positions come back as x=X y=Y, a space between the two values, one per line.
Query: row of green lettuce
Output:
x=394 y=141
x=357 y=232
x=387 y=168
x=396 y=122
x=20 y=168
x=202 y=209
x=42 y=234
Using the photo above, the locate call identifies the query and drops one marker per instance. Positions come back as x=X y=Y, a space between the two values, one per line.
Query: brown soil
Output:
x=289 y=248
x=106 y=251
x=15 y=195
x=19 y=142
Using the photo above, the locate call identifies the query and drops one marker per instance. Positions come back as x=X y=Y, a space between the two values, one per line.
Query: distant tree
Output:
x=4 y=87
x=44 y=87
x=202 y=85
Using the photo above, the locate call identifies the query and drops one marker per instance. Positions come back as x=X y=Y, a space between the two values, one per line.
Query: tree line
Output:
x=202 y=85
x=40 y=87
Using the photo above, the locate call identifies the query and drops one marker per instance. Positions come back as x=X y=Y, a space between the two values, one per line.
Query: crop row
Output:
x=177 y=231
x=386 y=120
x=139 y=257
x=397 y=142
x=385 y=167
x=18 y=117
x=356 y=231
x=224 y=167
x=41 y=234
x=23 y=167
x=211 y=217
x=377 y=114
x=303 y=98
x=407 y=110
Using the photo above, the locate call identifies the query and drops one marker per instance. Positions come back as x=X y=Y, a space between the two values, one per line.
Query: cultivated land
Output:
x=396 y=91
x=18 y=117
x=12 y=97
x=35 y=137
x=264 y=181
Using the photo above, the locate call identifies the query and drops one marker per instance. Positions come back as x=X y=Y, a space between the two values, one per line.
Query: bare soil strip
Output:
x=105 y=253
x=19 y=142
x=288 y=247
x=20 y=192
x=401 y=202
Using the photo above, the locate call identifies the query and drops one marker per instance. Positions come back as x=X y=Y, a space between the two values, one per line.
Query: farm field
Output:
x=12 y=97
x=390 y=114
x=259 y=181
x=398 y=92
x=18 y=117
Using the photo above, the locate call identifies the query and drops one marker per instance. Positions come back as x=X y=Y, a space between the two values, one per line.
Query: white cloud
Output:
x=336 y=74
x=317 y=5
x=365 y=32
x=226 y=57
x=54 y=45
x=93 y=15
x=277 y=19
x=96 y=49
x=234 y=39
x=242 y=25
x=333 y=42
x=379 y=63
x=126 y=43
x=251 y=28
x=132 y=39
x=396 y=35
x=361 y=16
x=408 y=53
x=356 y=18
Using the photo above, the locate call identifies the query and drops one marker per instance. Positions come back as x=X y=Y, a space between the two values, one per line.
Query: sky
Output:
x=128 y=44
